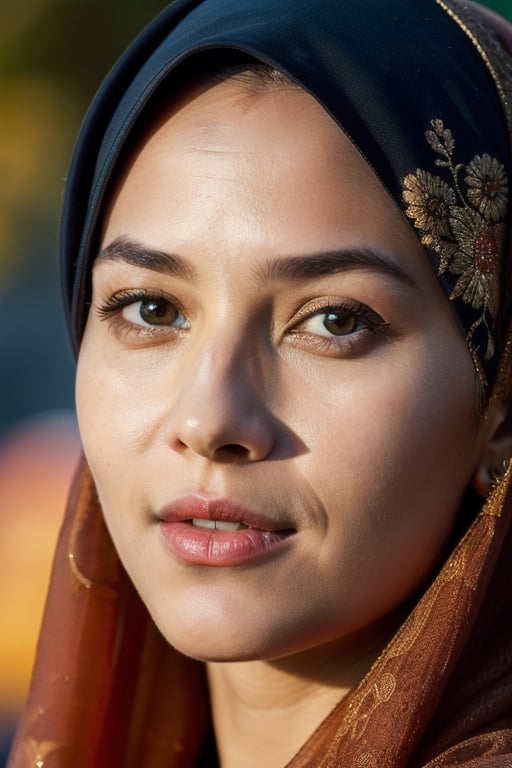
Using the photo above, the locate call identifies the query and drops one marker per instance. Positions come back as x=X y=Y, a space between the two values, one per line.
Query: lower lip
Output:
x=226 y=549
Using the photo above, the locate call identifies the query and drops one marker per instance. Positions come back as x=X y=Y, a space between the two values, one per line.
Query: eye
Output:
x=346 y=327
x=155 y=311
x=332 y=321
x=139 y=310
x=339 y=320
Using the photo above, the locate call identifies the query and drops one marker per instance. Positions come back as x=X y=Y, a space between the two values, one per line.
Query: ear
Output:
x=496 y=447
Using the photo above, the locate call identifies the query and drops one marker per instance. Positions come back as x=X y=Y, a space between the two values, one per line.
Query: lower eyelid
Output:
x=331 y=346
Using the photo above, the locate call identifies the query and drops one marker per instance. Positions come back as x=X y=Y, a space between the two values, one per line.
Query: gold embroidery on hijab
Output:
x=461 y=218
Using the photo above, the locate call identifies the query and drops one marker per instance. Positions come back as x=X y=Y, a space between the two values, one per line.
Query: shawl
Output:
x=423 y=90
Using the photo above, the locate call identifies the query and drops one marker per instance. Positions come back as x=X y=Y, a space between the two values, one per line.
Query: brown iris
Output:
x=339 y=324
x=158 y=312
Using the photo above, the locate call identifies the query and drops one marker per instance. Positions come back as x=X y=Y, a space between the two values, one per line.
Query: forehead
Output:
x=277 y=143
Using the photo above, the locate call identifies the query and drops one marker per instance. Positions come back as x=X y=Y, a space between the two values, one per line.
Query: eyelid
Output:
x=347 y=306
x=127 y=296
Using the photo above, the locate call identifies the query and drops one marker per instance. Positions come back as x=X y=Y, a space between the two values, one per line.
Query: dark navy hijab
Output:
x=419 y=86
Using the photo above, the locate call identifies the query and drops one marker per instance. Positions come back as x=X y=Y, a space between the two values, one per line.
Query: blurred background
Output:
x=53 y=55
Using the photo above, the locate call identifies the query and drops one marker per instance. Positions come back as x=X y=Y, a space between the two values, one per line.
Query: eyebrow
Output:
x=294 y=268
x=123 y=249
x=332 y=262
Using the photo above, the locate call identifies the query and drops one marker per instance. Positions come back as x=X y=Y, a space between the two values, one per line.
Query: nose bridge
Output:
x=223 y=371
x=221 y=409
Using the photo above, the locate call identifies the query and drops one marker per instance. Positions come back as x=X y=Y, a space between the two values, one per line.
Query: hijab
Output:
x=388 y=75
x=424 y=91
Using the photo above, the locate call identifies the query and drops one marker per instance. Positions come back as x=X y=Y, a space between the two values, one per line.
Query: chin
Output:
x=219 y=640
x=217 y=645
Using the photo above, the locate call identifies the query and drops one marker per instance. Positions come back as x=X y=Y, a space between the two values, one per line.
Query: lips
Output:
x=200 y=530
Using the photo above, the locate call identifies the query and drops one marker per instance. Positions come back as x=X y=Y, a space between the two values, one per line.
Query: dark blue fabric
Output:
x=384 y=69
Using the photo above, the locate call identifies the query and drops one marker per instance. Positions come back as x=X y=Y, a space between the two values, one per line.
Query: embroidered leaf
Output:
x=437 y=125
x=434 y=142
x=449 y=141
x=441 y=139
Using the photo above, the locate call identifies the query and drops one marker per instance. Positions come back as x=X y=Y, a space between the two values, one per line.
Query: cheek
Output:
x=389 y=461
x=117 y=404
x=400 y=444
x=104 y=420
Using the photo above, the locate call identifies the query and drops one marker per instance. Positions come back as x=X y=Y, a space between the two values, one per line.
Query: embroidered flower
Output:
x=430 y=199
x=488 y=187
x=460 y=218
x=476 y=260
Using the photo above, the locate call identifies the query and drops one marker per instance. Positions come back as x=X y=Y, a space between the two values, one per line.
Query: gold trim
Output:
x=495 y=502
x=87 y=583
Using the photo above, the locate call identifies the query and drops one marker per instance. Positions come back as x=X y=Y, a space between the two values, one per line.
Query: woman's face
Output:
x=268 y=348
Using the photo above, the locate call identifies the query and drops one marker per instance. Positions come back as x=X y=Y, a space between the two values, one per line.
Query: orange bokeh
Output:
x=36 y=465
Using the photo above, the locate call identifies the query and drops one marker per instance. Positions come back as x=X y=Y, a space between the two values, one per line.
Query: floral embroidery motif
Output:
x=488 y=187
x=461 y=220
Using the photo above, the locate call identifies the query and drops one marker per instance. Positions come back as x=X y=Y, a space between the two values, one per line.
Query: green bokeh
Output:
x=501 y=6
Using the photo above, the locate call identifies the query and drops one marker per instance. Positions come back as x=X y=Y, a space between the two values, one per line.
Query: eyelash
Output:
x=112 y=309
x=365 y=319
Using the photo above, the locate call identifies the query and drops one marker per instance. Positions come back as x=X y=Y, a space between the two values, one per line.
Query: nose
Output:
x=221 y=412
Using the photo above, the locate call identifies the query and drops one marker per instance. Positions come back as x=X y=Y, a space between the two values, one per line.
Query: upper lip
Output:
x=201 y=507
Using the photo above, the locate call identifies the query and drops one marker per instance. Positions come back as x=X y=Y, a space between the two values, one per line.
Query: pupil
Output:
x=339 y=325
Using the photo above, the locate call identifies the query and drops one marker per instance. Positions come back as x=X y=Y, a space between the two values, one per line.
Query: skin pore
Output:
x=266 y=335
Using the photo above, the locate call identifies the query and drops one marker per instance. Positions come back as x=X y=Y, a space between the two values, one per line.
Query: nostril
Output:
x=234 y=448
x=233 y=451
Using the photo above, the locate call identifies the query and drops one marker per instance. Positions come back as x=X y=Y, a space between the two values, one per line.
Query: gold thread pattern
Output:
x=498 y=61
x=484 y=745
x=459 y=585
x=366 y=760
x=461 y=218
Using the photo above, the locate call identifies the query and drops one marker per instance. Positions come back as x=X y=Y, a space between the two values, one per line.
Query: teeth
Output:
x=223 y=526
x=203 y=523
x=220 y=525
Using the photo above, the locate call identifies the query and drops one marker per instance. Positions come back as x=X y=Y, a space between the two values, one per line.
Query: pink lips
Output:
x=257 y=537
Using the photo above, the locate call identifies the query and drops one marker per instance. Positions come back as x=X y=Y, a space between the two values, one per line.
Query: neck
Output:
x=264 y=711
